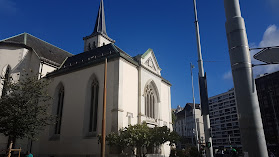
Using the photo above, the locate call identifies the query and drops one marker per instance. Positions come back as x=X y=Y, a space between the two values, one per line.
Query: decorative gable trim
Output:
x=149 y=63
x=153 y=55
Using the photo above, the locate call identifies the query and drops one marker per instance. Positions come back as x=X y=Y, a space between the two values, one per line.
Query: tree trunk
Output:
x=10 y=140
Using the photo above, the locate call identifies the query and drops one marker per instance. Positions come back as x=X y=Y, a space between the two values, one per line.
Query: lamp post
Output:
x=203 y=90
x=195 y=130
x=103 y=146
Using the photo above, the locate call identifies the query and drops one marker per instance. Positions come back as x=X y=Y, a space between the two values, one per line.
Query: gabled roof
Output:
x=191 y=105
x=188 y=107
x=92 y=57
x=44 y=50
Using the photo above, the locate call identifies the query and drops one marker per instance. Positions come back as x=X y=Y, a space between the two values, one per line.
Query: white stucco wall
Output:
x=128 y=93
x=166 y=105
x=200 y=124
x=73 y=138
x=98 y=39
x=20 y=60
x=12 y=56
x=46 y=69
x=102 y=41
x=123 y=96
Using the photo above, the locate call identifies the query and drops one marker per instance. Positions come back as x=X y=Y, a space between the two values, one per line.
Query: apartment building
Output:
x=268 y=95
x=224 y=121
x=184 y=124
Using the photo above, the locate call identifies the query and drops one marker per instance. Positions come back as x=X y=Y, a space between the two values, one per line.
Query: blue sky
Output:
x=163 y=25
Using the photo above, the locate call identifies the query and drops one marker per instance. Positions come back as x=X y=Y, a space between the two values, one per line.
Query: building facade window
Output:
x=94 y=106
x=59 y=110
x=151 y=101
x=6 y=77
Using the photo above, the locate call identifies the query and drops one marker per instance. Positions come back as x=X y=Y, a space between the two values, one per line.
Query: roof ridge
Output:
x=48 y=43
x=122 y=51
x=221 y=94
x=146 y=52
x=36 y=38
x=12 y=36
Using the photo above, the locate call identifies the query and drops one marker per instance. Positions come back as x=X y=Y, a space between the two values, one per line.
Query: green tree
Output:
x=23 y=108
x=142 y=137
x=173 y=117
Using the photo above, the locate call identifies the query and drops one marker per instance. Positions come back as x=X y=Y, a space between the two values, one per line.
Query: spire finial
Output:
x=100 y=25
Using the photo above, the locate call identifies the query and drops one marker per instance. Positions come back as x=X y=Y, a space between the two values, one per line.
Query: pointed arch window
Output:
x=94 y=106
x=59 y=110
x=89 y=46
x=6 y=77
x=150 y=101
x=94 y=45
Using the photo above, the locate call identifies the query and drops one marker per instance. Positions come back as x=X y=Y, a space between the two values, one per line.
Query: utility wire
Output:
x=215 y=61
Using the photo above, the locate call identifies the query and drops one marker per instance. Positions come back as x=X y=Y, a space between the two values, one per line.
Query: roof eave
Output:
x=99 y=33
x=76 y=68
x=15 y=44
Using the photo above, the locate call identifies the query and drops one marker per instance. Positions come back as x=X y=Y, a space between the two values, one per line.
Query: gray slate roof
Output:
x=45 y=51
x=92 y=57
x=188 y=107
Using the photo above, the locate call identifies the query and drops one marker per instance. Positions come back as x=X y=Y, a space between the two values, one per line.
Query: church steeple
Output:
x=99 y=36
x=100 y=25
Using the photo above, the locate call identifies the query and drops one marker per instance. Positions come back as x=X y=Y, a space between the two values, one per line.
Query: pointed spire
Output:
x=99 y=36
x=100 y=25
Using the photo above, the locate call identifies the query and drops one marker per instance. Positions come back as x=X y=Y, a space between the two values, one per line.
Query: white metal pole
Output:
x=194 y=110
x=203 y=90
x=249 y=115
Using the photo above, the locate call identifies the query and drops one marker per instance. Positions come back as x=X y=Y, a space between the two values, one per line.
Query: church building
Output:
x=25 y=54
x=136 y=91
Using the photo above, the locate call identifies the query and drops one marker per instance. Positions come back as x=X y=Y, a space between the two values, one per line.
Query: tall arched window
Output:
x=89 y=46
x=6 y=76
x=150 y=101
x=94 y=106
x=94 y=45
x=59 y=110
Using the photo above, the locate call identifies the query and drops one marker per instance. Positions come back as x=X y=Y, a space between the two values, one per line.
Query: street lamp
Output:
x=269 y=55
x=203 y=88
